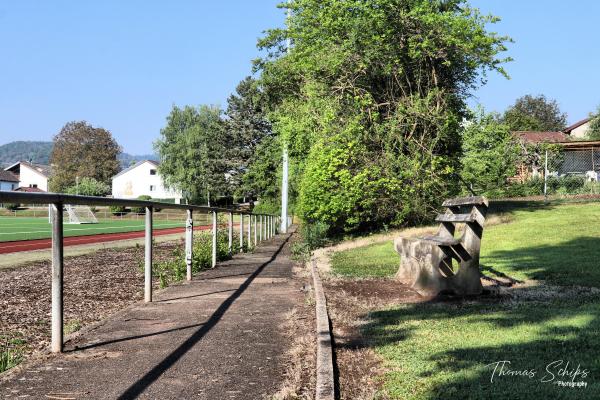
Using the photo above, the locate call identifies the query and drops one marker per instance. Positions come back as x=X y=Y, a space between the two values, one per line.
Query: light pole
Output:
x=284 y=177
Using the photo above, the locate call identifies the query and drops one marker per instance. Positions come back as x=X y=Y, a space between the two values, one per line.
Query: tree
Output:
x=489 y=154
x=89 y=187
x=193 y=152
x=80 y=150
x=593 y=132
x=247 y=129
x=369 y=102
x=537 y=113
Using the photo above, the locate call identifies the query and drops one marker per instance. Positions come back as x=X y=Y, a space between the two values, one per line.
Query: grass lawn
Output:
x=449 y=350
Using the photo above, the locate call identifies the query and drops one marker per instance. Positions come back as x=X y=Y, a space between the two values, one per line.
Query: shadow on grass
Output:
x=575 y=262
x=447 y=349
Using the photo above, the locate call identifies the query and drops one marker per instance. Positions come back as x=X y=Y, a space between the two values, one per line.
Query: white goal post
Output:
x=80 y=215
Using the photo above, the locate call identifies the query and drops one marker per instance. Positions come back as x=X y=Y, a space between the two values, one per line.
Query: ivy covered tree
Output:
x=193 y=153
x=535 y=113
x=490 y=154
x=369 y=102
x=81 y=150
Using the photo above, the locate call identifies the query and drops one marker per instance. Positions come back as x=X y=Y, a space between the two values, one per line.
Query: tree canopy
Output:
x=193 y=152
x=369 y=102
x=593 y=132
x=80 y=150
x=535 y=113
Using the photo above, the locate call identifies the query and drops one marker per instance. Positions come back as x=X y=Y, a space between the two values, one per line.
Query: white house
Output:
x=140 y=179
x=8 y=181
x=579 y=129
x=31 y=176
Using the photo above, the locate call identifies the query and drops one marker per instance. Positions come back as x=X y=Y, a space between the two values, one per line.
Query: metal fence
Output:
x=573 y=171
x=264 y=226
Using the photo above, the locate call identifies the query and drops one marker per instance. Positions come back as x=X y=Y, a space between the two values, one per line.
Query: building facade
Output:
x=29 y=175
x=140 y=179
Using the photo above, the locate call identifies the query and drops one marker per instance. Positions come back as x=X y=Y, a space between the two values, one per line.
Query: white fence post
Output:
x=148 y=257
x=57 y=278
x=189 y=243
x=249 y=230
x=241 y=233
x=255 y=230
x=260 y=228
x=230 y=232
x=214 y=239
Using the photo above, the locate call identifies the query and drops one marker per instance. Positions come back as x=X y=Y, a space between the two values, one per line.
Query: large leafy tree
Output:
x=193 y=152
x=535 y=113
x=490 y=154
x=369 y=102
x=81 y=150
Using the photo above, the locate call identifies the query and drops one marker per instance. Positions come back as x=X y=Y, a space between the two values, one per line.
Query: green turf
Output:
x=444 y=350
x=23 y=228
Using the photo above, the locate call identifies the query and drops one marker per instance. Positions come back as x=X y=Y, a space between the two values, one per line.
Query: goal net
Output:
x=80 y=215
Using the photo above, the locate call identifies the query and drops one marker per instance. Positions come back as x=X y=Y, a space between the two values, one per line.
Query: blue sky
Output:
x=123 y=64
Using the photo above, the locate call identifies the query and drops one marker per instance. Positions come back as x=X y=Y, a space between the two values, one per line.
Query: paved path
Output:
x=217 y=337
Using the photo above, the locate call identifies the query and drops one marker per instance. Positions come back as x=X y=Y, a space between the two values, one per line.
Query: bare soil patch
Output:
x=96 y=285
x=350 y=301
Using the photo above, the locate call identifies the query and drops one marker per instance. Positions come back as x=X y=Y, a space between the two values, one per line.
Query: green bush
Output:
x=118 y=210
x=174 y=269
x=11 y=206
x=141 y=210
x=89 y=187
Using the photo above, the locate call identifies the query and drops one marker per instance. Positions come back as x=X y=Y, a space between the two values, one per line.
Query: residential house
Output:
x=8 y=181
x=29 y=175
x=578 y=156
x=140 y=179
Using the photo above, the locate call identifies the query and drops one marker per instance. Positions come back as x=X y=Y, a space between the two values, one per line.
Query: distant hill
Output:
x=39 y=153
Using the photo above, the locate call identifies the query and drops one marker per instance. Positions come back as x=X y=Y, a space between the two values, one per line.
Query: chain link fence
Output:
x=572 y=172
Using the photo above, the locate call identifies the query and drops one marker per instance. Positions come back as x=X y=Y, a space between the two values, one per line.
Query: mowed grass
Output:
x=23 y=228
x=448 y=350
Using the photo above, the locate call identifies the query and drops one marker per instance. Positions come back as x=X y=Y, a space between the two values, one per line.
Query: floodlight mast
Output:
x=284 y=177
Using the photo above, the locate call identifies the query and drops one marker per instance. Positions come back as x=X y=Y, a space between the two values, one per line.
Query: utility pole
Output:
x=284 y=178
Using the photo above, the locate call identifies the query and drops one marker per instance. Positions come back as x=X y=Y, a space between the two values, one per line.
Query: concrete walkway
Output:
x=217 y=337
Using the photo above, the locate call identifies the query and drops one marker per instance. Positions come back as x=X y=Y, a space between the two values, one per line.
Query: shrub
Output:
x=174 y=269
x=89 y=187
x=141 y=210
x=11 y=206
x=118 y=210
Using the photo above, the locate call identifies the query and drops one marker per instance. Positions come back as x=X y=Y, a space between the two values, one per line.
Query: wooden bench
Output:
x=426 y=262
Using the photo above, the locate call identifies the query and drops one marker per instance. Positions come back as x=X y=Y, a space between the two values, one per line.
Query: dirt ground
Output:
x=96 y=285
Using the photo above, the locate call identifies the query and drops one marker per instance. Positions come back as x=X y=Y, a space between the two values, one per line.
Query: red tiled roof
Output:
x=576 y=125
x=540 y=137
x=29 y=190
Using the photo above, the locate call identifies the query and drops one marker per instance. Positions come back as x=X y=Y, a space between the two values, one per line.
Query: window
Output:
x=34 y=185
x=152 y=172
x=152 y=188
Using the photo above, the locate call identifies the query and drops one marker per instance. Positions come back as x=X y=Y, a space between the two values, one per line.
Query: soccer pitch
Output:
x=26 y=228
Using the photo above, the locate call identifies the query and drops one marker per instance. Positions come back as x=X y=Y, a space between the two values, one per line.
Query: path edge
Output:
x=325 y=387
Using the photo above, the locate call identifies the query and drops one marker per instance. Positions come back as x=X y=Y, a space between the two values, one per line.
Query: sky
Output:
x=122 y=65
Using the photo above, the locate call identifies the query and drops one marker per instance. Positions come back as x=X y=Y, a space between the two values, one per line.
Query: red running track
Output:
x=41 y=244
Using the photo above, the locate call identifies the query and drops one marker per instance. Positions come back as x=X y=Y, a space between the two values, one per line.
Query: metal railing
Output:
x=268 y=228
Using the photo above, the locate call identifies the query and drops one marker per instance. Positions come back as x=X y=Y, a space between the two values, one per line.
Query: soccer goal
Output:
x=80 y=215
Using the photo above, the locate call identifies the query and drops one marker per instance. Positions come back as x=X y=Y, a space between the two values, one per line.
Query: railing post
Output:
x=259 y=226
x=249 y=230
x=57 y=278
x=189 y=243
x=241 y=232
x=255 y=230
x=214 y=239
x=230 y=232
x=148 y=257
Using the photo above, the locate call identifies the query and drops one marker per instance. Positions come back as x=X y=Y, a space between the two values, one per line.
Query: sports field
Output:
x=25 y=228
